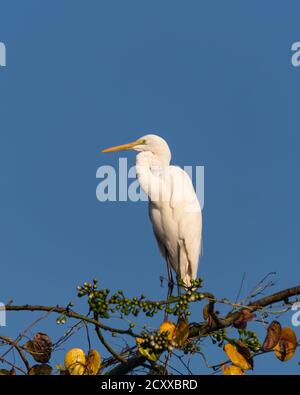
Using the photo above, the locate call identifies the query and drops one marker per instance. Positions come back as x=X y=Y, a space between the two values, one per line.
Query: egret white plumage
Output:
x=174 y=209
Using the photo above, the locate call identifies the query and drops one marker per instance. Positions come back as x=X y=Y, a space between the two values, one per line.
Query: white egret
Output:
x=174 y=209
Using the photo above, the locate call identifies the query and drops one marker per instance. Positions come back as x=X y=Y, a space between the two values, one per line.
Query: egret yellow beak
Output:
x=124 y=146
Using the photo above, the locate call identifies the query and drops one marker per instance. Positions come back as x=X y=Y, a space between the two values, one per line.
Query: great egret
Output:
x=174 y=209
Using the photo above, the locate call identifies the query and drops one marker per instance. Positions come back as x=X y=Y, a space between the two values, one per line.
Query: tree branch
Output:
x=204 y=329
x=18 y=348
x=68 y=313
x=195 y=330
x=106 y=345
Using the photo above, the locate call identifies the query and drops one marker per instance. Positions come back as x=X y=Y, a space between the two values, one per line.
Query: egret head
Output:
x=149 y=143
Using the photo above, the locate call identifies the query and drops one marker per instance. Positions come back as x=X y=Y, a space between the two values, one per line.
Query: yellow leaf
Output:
x=93 y=362
x=232 y=370
x=168 y=326
x=286 y=347
x=75 y=362
x=236 y=358
x=181 y=332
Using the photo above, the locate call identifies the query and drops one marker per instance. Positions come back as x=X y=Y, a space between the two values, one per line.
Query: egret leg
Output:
x=178 y=276
x=178 y=286
x=170 y=284
x=170 y=280
x=179 y=279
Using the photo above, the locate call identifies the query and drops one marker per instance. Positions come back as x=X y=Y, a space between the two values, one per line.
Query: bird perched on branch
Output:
x=174 y=209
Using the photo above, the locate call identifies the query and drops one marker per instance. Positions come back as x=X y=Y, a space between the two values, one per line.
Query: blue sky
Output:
x=213 y=78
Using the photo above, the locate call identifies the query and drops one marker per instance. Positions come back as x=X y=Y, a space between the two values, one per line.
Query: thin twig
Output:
x=12 y=343
x=106 y=345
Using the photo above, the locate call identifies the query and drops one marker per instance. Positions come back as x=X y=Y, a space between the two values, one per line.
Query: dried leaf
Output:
x=273 y=336
x=232 y=370
x=245 y=352
x=181 y=333
x=205 y=312
x=64 y=372
x=5 y=372
x=40 y=370
x=245 y=316
x=39 y=347
x=75 y=362
x=239 y=356
x=209 y=314
x=93 y=362
x=168 y=326
x=286 y=347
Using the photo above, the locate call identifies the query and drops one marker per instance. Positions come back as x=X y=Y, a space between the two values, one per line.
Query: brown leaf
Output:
x=181 y=333
x=64 y=372
x=5 y=372
x=39 y=347
x=273 y=336
x=40 y=370
x=245 y=352
x=286 y=347
x=245 y=316
x=207 y=314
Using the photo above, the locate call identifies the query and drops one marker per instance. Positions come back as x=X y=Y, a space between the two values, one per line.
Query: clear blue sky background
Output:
x=212 y=77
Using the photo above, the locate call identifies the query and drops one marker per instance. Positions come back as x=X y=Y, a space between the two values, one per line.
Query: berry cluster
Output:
x=157 y=341
x=250 y=339
x=103 y=304
x=219 y=337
